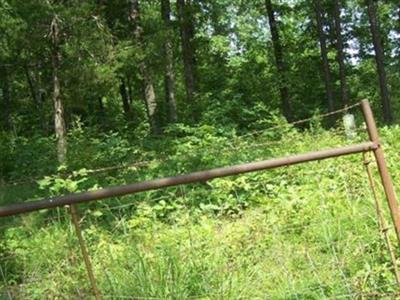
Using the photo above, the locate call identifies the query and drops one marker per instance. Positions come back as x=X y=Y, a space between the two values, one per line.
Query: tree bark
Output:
x=149 y=93
x=280 y=64
x=187 y=34
x=380 y=59
x=59 y=121
x=169 y=78
x=324 y=56
x=5 y=81
x=344 y=94
x=35 y=92
x=130 y=91
x=125 y=98
x=100 y=104
x=37 y=95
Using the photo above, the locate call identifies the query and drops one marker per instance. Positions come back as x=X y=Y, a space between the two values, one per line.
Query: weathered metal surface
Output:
x=85 y=254
x=383 y=226
x=382 y=167
x=183 y=179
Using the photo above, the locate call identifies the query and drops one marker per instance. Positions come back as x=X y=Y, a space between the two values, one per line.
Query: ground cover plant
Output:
x=302 y=232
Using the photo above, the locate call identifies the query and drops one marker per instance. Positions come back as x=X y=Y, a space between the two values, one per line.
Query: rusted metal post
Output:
x=383 y=226
x=85 y=253
x=382 y=167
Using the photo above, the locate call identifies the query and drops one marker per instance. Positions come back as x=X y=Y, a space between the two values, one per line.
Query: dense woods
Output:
x=154 y=63
x=99 y=93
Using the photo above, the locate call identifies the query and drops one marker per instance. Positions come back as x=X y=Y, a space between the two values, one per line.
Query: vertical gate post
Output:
x=382 y=167
x=85 y=253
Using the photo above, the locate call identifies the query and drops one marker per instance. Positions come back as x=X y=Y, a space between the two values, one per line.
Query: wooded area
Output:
x=108 y=98
x=150 y=64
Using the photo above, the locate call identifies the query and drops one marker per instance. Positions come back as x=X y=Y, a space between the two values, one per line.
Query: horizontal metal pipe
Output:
x=19 y=208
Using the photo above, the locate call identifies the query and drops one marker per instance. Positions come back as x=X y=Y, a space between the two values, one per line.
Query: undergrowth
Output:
x=303 y=232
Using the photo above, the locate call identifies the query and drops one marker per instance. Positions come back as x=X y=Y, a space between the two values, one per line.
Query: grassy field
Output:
x=302 y=232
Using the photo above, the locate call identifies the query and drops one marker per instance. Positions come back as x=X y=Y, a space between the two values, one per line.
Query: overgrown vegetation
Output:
x=304 y=232
x=101 y=93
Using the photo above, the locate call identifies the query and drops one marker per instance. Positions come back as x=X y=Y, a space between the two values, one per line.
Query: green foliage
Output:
x=58 y=185
x=305 y=232
x=234 y=61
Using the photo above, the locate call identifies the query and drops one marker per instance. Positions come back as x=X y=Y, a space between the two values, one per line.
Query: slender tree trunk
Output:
x=344 y=94
x=42 y=96
x=187 y=33
x=125 y=98
x=38 y=78
x=99 y=108
x=35 y=92
x=380 y=58
x=37 y=96
x=149 y=93
x=5 y=86
x=330 y=21
x=100 y=104
x=398 y=19
x=280 y=64
x=59 y=122
x=169 y=77
x=130 y=92
x=324 y=56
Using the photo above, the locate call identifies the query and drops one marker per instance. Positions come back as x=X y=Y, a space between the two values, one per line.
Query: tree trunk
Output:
x=6 y=97
x=169 y=78
x=149 y=93
x=125 y=98
x=59 y=122
x=324 y=56
x=35 y=92
x=340 y=54
x=37 y=95
x=330 y=22
x=380 y=58
x=187 y=33
x=130 y=92
x=280 y=64
x=38 y=78
x=100 y=104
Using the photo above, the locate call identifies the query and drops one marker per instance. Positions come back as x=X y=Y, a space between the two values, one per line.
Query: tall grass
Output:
x=304 y=232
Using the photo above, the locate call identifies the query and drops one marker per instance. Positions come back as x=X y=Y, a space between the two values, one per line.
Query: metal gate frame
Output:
x=73 y=199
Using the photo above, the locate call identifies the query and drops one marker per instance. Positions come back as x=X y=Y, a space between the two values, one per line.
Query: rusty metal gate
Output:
x=373 y=146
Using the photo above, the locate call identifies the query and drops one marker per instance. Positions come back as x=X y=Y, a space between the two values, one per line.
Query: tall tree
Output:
x=149 y=92
x=169 y=77
x=380 y=58
x=5 y=87
x=34 y=83
x=34 y=89
x=344 y=94
x=59 y=121
x=324 y=55
x=280 y=63
x=184 y=8
x=125 y=97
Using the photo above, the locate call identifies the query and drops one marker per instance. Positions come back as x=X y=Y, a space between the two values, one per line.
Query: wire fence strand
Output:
x=161 y=159
x=337 y=245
